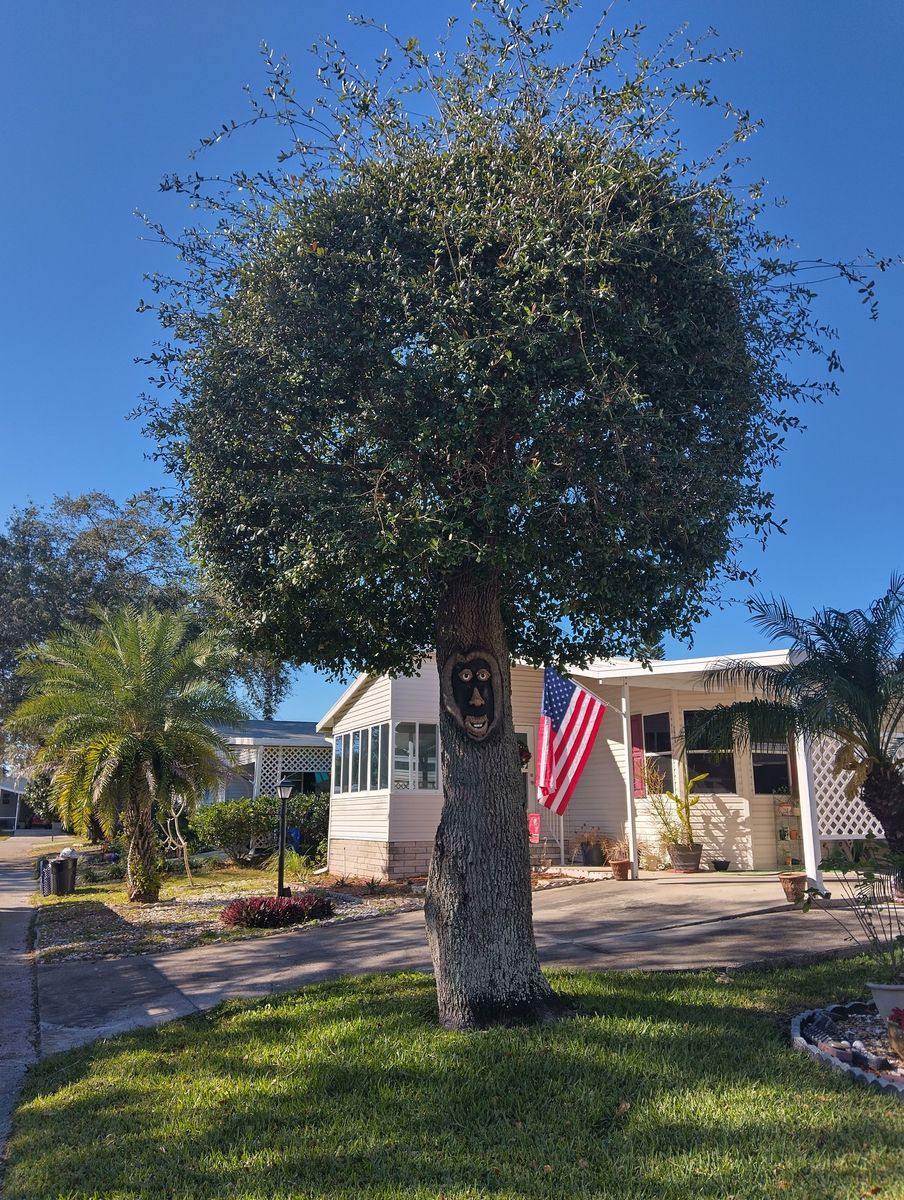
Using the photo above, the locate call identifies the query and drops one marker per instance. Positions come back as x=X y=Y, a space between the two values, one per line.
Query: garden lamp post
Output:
x=284 y=791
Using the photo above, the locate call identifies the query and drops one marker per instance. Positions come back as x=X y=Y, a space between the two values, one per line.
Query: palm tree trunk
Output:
x=142 y=872
x=883 y=795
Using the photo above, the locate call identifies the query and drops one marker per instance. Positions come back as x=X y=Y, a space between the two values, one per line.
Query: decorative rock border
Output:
x=815 y=1031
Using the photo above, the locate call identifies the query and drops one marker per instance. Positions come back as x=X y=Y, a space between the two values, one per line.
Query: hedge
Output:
x=244 y=828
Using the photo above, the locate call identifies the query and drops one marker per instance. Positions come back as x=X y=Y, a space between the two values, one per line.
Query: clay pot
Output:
x=686 y=858
x=621 y=868
x=794 y=885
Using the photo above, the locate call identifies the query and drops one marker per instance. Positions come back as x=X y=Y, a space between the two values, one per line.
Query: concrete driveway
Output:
x=661 y=922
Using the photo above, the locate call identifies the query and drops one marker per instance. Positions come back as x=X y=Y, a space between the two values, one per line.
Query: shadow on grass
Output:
x=666 y=1086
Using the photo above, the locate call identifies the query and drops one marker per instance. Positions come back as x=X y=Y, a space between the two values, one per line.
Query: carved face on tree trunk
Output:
x=472 y=693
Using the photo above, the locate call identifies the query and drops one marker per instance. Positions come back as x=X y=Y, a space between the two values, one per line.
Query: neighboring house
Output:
x=14 y=812
x=761 y=809
x=264 y=753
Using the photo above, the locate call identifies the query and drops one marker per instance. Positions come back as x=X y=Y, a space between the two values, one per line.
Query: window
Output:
x=403 y=757
x=374 y=757
x=365 y=741
x=345 y=761
x=771 y=768
x=415 y=757
x=356 y=758
x=716 y=762
x=426 y=757
x=337 y=764
x=657 y=746
x=384 y=756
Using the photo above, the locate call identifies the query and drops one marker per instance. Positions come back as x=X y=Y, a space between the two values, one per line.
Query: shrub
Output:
x=273 y=912
x=244 y=827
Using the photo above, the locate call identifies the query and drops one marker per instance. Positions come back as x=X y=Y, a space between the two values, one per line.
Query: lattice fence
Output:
x=277 y=761
x=838 y=817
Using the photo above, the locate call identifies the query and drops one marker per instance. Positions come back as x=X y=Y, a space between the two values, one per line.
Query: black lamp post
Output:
x=284 y=791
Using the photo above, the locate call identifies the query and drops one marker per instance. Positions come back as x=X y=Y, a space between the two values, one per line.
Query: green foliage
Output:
x=844 y=679
x=123 y=714
x=245 y=827
x=58 y=561
x=523 y=336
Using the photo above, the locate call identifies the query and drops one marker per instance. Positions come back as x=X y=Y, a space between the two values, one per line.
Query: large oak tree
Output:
x=491 y=368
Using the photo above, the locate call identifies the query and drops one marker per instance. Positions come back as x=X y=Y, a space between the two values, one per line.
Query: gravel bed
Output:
x=68 y=932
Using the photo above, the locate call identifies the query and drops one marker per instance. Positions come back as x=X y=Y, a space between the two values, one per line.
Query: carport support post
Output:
x=629 y=777
x=809 y=818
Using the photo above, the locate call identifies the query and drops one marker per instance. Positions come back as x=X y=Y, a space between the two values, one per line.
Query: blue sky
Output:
x=99 y=101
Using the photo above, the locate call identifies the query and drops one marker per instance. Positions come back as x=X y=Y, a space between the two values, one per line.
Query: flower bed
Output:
x=276 y=912
x=851 y=1038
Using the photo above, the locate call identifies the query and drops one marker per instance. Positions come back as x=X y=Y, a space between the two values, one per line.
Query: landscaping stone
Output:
x=865 y=1055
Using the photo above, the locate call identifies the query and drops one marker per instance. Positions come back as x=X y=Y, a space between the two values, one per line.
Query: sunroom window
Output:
x=716 y=762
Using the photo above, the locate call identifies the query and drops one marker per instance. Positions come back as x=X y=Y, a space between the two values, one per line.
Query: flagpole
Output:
x=629 y=778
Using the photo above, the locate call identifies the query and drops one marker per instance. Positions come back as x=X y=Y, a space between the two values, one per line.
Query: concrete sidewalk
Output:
x=662 y=922
x=18 y=1028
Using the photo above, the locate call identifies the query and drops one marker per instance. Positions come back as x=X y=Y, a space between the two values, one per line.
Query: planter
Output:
x=621 y=868
x=720 y=864
x=887 y=996
x=591 y=855
x=686 y=858
x=794 y=885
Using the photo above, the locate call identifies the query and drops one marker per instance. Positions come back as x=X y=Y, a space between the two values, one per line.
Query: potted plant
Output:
x=720 y=864
x=873 y=916
x=673 y=812
x=794 y=885
x=618 y=856
x=591 y=842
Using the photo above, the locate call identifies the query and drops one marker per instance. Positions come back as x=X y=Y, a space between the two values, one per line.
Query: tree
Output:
x=491 y=368
x=844 y=680
x=57 y=562
x=123 y=713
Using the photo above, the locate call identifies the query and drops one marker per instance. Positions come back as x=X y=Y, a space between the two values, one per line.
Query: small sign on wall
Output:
x=533 y=828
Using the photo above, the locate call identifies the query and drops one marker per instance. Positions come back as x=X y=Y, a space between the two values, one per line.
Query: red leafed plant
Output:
x=273 y=912
x=896 y=1017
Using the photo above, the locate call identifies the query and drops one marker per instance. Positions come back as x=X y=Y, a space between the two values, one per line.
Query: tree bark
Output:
x=478 y=906
x=883 y=796
x=142 y=873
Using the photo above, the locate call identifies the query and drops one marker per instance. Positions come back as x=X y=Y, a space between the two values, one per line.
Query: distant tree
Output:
x=123 y=713
x=491 y=368
x=56 y=562
x=844 y=680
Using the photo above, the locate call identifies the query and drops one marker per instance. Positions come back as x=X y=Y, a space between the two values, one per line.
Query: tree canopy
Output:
x=524 y=334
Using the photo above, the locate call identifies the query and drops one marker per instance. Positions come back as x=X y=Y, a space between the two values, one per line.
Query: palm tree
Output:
x=123 y=713
x=844 y=680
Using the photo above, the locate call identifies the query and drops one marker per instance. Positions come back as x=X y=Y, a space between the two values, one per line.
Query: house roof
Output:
x=272 y=733
x=671 y=672
x=685 y=673
x=13 y=783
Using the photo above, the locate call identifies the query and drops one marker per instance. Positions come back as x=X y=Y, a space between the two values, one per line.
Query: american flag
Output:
x=570 y=717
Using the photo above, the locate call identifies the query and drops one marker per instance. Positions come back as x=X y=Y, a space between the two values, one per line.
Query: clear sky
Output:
x=100 y=100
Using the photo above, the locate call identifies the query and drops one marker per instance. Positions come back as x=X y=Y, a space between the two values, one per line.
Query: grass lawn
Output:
x=667 y=1086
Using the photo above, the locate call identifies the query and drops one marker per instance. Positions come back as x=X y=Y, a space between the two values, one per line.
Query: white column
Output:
x=258 y=759
x=809 y=818
x=629 y=778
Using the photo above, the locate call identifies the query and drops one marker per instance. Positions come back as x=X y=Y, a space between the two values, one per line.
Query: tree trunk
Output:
x=478 y=907
x=142 y=872
x=883 y=795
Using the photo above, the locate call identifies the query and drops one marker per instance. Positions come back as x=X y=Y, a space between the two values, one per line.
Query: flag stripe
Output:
x=570 y=718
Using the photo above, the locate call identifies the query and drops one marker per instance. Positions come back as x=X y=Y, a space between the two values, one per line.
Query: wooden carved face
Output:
x=471 y=692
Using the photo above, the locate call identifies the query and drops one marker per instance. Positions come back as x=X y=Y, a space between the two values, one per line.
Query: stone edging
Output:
x=823 y=1016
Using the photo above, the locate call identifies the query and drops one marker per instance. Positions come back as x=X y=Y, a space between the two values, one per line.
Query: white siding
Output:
x=363 y=815
x=414 y=816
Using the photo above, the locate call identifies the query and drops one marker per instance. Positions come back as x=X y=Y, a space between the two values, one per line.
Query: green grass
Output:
x=666 y=1086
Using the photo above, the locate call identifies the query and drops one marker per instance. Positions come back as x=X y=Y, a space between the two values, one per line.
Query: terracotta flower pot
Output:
x=621 y=868
x=794 y=885
x=896 y=1039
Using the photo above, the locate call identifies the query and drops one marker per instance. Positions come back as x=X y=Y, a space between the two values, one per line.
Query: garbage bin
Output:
x=62 y=876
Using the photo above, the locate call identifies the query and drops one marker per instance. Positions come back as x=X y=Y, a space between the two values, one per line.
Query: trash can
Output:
x=62 y=876
x=44 y=874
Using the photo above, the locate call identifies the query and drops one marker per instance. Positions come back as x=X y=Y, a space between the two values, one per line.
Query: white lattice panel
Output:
x=277 y=762
x=837 y=816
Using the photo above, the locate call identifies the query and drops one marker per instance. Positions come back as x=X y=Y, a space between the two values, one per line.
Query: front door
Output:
x=552 y=827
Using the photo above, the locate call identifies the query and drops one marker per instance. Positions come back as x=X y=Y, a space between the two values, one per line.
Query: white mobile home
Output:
x=762 y=809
